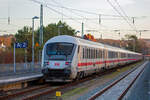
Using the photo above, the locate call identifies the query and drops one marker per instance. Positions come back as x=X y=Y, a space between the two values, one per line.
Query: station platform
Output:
x=18 y=80
x=20 y=77
x=141 y=88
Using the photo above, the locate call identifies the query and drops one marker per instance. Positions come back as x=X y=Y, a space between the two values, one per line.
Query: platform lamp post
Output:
x=35 y=17
x=14 y=55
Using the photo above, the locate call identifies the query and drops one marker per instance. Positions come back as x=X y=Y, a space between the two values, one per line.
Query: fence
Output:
x=8 y=69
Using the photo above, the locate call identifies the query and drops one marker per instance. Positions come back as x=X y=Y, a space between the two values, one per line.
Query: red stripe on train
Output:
x=101 y=62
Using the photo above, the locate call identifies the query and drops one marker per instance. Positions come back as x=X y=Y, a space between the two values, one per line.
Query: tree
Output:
x=51 y=30
x=25 y=34
x=133 y=44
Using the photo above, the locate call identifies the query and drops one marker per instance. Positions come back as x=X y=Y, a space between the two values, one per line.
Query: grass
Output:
x=74 y=91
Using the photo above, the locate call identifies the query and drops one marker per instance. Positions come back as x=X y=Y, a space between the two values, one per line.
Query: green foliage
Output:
x=52 y=30
x=49 y=31
x=25 y=34
x=133 y=43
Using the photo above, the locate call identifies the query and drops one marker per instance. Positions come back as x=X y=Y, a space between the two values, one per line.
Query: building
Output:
x=5 y=41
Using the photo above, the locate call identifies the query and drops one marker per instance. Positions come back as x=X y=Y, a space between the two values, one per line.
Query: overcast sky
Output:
x=22 y=11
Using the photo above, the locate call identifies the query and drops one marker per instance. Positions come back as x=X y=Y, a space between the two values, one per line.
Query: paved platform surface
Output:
x=141 y=89
x=20 y=77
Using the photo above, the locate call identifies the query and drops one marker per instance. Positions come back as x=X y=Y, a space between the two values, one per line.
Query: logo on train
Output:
x=57 y=64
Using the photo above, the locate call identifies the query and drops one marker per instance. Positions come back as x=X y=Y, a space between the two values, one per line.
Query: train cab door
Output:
x=82 y=61
x=81 y=58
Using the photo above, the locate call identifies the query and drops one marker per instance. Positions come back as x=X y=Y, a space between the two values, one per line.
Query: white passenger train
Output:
x=65 y=58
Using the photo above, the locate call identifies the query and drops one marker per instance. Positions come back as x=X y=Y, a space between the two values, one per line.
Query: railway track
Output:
x=23 y=92
x=36 y=96
x=36 y=92
x=62 y=88
x=47 y=89
x=100 y=93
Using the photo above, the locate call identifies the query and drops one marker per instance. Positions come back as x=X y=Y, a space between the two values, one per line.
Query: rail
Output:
x=117 y=81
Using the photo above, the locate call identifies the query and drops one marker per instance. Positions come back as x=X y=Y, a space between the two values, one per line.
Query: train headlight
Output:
x=67 y=63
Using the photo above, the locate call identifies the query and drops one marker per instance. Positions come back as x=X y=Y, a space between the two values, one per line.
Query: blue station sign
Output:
x=21 y=45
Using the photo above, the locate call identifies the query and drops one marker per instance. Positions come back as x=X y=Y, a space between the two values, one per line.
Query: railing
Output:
x=8 y=69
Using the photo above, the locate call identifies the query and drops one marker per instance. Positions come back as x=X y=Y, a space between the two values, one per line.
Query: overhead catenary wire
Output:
x=58 y=12
x=78 y=20
x=47 y=5
x=68 y=10
x=122 y=9
x=121 y=14
x=125 y=14
x=88 y=18
x=98 y=18
x=52 y=9
x=82 y=16
x=83 y=11
x=72 y=11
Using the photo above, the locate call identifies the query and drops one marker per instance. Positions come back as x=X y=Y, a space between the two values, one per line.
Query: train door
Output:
x=94 y=60
x=88 y=59
x=106 y=58
x=85 y=58
x=102 y=58
x=119 y=58
x=80 y=58
x=81 y=62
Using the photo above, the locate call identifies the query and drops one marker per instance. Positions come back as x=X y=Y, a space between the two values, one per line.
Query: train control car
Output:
x=65 y=58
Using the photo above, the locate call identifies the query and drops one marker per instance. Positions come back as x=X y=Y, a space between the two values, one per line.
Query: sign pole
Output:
x=25 y=58
x=20 y=45
x=32 y=43
x=14 y=57
x=82 y=29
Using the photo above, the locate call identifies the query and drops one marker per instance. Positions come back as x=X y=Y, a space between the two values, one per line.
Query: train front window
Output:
x=59 y=51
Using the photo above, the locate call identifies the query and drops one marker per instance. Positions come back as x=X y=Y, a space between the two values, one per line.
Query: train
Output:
x=67 y=58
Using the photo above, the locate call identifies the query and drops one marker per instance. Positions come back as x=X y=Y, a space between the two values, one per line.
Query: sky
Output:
x=22 y=11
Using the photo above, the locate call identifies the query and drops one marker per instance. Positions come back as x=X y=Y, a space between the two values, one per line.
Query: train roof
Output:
x=79 y=41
